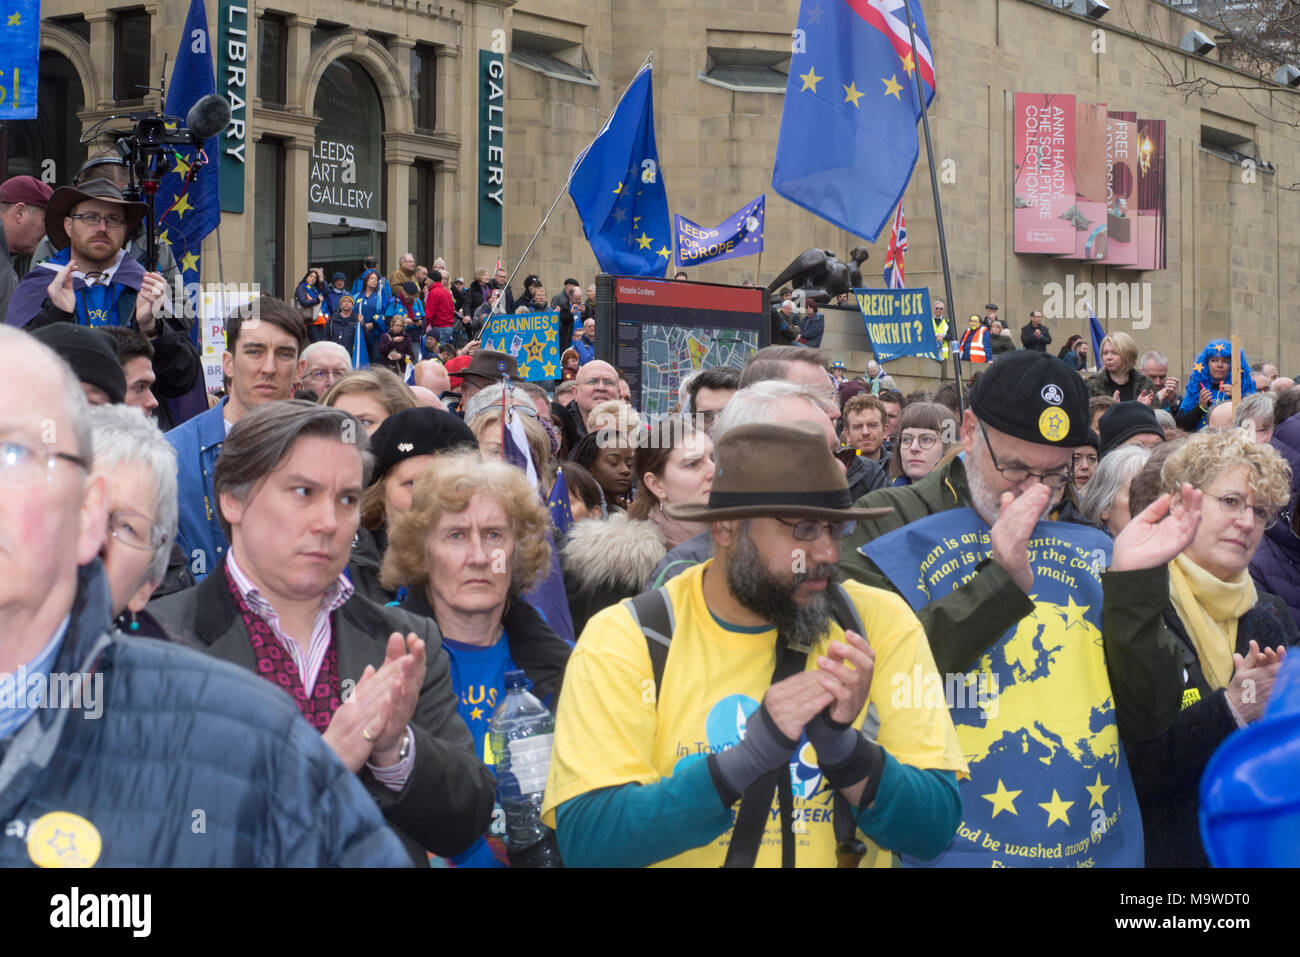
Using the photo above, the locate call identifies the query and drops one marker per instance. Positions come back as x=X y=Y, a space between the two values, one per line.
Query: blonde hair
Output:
x=1201 y=459
x=1124 y=345
x=446 y=488
x=614 y=415
x=539 y=443
x=392 y=393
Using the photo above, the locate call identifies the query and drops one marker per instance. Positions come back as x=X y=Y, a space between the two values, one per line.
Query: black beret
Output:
x=419 y=431
x=91 y=353
x=1124 y=420
x=1034 y=397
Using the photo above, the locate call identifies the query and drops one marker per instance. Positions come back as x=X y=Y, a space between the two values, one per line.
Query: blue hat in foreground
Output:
x=1250 y=792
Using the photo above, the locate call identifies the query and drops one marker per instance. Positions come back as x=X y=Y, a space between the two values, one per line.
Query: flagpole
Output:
x=938 y=212
x=564 y=189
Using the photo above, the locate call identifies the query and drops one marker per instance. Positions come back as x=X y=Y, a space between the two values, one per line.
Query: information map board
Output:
x=657 y=331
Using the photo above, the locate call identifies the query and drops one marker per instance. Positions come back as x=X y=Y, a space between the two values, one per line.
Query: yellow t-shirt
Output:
x=609 y=731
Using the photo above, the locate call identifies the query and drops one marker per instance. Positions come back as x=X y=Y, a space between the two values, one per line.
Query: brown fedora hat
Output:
x=776 y=471
x=491 y=366
x=65 y=200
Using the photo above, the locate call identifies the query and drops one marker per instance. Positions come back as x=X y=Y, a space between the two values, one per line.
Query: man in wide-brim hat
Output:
x=486 y=368
x=775 y=681
x=91 y=280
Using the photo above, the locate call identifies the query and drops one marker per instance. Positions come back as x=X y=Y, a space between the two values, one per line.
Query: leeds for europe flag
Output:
x=848 y=142
x=618 y=188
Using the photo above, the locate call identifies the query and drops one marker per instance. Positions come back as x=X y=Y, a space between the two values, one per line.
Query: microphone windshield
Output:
x=208 y=117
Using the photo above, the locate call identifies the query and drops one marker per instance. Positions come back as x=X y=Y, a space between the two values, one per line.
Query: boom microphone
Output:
x=208 y=117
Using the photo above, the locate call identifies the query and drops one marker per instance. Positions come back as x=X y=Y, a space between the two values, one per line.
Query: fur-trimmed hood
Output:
x=616 y=552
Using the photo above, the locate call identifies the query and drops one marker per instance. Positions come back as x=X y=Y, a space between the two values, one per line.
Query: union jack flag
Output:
x=897 y=246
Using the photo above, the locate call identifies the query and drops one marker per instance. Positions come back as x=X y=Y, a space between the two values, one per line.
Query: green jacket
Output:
x=1099 y=383
x=1142 y=658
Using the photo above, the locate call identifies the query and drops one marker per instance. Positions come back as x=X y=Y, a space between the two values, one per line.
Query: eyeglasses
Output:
x=606 y=381
x=1015 y=474
x=23 y=466
x=115 y=220
x=136 y=531
x=925 y=441
x=811 y=531
x=1233 y=505
x=321 y=375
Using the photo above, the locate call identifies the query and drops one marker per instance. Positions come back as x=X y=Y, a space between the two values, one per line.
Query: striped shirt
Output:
x=322 y=633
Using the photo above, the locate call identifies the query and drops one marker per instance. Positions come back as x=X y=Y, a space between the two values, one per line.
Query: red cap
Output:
x=458 y=364
x=25 y=189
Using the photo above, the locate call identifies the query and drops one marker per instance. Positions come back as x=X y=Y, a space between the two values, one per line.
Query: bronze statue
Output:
x=820 y=275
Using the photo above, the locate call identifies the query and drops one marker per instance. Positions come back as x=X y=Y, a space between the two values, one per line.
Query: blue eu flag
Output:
x=19 y=59
x=848 y=142
x=189 y=209
x=618 y=188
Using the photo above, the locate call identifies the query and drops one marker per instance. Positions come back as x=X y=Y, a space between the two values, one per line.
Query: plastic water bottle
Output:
x=521 y=732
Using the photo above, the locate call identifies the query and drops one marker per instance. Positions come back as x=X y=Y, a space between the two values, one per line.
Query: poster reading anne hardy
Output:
x=1044 y=175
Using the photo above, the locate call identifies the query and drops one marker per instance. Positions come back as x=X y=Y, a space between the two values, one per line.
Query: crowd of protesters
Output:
x=399 y=537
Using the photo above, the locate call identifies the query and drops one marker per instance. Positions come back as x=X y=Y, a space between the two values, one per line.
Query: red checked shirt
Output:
x=322 y=633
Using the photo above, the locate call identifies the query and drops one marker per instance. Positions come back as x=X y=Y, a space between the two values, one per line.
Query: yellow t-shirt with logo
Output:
x=610 y=732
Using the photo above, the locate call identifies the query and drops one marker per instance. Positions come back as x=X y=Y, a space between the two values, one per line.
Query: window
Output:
x=272 y=57
x=1237 y=148
x=268 y=217
x=131 y=36
x=420 y=212
x=551 y=56
x=424 y=86
x=748 y=71
x=324 y=31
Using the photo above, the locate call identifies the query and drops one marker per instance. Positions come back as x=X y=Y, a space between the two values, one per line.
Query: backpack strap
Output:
x=849 y=850
x=653 y=614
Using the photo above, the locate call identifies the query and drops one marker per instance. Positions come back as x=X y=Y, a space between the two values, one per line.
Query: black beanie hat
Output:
x=419 y=431
x=1124 y=420
x=1034 y=397
x=91 y=353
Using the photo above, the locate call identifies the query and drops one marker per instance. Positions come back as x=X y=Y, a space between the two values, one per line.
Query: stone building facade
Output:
x=719 y=87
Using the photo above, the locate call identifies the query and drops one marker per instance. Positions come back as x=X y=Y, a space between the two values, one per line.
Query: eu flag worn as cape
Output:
x=187 y=212
x=618 y=189
x=848 y=142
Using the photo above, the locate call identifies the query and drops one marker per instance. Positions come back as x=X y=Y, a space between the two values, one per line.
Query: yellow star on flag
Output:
x=182 y=205
x=1057 y=810
x=163 y=239
x=619 y=189
x=189 y=262
x=636 y=221
x=852 y=94
x=550 y=335
x=665 y=252
x=908 y=63
x=893 y=87
x=534 y=350
x=1074 y=613
x=525 y=372
x=476 y=714
x=1002 y=800
x=1097 y=790
x=182 y=168
x=810 y=80
x=15 y=19
x=644 y=241
x=549 y=370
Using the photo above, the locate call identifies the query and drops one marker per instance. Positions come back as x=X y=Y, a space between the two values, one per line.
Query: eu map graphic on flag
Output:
x=1049 y=783
x=618 y=189
x=848 y=141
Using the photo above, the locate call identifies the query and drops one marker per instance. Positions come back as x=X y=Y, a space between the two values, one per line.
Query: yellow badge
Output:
x=1054 y=424
x=62 y=839
x=1190 y=697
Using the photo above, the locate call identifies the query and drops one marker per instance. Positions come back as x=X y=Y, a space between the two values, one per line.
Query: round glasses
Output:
x=23 y=466
x=135 y=530
x=925 y=441
x=1233 y=506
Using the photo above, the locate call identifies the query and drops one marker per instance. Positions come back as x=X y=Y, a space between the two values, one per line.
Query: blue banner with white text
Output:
x=898 y=322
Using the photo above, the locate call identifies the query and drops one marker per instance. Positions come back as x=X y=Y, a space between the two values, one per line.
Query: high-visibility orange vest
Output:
x=973 y=348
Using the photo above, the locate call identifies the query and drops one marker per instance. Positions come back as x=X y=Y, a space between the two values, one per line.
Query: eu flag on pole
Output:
x=618 y=188
x=1098 y=334
x=361 y=354
x=848 y=141
x=188 y=207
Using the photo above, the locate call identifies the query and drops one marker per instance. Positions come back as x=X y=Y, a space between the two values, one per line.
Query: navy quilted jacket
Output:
x=191 y=762
x=1276 y=566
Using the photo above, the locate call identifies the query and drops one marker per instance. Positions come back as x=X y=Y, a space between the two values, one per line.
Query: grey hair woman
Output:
x=140 y=468
x=1105 y=500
